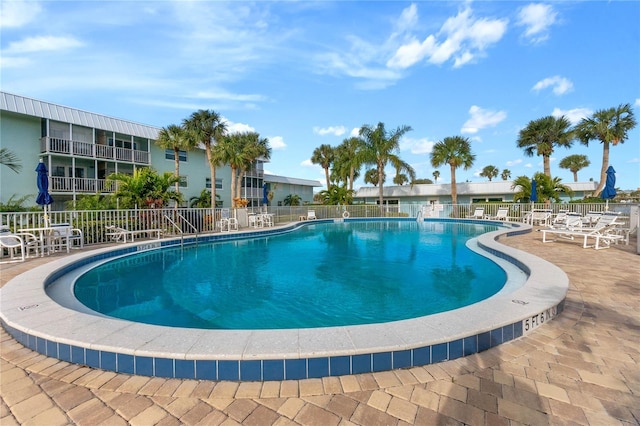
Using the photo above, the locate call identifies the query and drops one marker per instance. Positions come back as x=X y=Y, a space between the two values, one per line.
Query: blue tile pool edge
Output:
x=281 y=369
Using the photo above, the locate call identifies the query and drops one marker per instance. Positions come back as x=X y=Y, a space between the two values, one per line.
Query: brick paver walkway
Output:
x=582 y=368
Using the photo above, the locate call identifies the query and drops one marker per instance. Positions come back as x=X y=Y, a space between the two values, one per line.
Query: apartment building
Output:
x=81 y=149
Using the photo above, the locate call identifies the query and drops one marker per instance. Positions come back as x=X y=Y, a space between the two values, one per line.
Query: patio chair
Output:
x=560 y=217
x=13 y=245
x=540 y=217
x=227 y=223
x=603 y=233
x=501 y=214
x=311 y=215
x=64 y=236
x=591 y=218
x=572 y=221
x=477 y=214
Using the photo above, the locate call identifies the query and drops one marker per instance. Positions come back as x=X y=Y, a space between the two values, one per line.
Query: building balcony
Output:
x=50 y=145
x=81 y=185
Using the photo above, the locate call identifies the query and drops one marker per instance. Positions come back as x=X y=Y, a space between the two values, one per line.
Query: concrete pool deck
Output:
x=580 y=368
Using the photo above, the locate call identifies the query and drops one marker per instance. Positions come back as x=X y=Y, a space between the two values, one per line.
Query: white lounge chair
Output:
x=603 y=233
x=311 y=215
x=560 y=217
x=540 y=217
x=572 y=221
x=227 y=223
x=477 y=214
x=120 y=234
x=502 y=214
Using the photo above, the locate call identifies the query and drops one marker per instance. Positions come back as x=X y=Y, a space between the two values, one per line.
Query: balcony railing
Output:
x=90 y=150
x=83 y=185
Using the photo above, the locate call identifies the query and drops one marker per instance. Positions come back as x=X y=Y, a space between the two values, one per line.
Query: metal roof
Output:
x=41 y=109
x=291 y=181
x=463 y=188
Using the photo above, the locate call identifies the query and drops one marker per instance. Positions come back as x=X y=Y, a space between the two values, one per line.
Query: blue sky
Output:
x=306 y=73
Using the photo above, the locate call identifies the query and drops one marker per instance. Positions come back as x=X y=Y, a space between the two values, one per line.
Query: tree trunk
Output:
x=212 y=168
x=176 y=153
x=547 y=165
x=380 y=190
x=575 y=176
x=603 y=171
x=454 y=191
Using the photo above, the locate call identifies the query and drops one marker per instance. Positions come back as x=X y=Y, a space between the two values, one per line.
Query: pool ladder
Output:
x=179 y=229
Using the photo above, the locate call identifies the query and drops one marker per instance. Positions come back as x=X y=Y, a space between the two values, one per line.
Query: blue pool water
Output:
x=321 y=275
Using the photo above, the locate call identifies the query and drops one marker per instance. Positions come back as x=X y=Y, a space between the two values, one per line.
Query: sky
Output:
x=307 y=73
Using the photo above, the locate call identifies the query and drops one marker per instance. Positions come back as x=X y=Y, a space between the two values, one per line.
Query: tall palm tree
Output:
x=229 y=151
x=574 y=163
x=608 y=126
x=436 y=175
x=177 y=139
x=454 y=151
x=506 y=174
x=379 y=148
x=347 y=161
x=490 y=172
x=9 y=159
x=208 y=128
x=542 y=135
x=324 y=156
x=254 y=148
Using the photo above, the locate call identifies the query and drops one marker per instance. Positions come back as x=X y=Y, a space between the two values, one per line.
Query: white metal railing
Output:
x=205 y=220
x=83 y=185
x=91 y=150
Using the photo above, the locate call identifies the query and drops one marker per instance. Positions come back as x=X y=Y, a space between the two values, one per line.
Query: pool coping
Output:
x=38 y=322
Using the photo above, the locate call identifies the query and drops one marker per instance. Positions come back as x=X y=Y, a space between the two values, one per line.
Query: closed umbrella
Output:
x=534 y=191
x=265 y=194
x=44 y=198
x=609 y=191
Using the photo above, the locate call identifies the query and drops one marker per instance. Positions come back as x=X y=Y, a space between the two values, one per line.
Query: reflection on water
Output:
x=320 y=275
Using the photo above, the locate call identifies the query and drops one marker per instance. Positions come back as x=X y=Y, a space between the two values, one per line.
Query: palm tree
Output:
x=324 y=155
x=454 y=151
x=523 y=183
x=207 y=127
x=608 y=126
x=436 y=175
x=489 y=172
x=347 y=161
x=542 y=135
x=547 y=188
x=203 y=200
x=292 y=200
x=144 y=188
x=9 y=159
x=337 y=195
x=574 y=163
x=177 y=139
x=379 y=148
x=253 y=148
x=400 y=179
x=506 y=174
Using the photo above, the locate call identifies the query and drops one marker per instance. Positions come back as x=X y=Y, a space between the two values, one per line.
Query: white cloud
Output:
x=481 y=118
x=13 y=62
x=637 y=102
x=308 y=163
x=355 y=132
x=573 y=115
x=528 y=165
x=238 y=127
x=15 y=14
x=416 y=146
x=462 y=37
x=634 y=160
x=537 y=19
x=331 y=130
x=42 y=43
x=560 y=85
x=513 y=163
x=277 y=143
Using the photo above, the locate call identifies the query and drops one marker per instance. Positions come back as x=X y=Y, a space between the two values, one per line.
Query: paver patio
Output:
x=581 y=368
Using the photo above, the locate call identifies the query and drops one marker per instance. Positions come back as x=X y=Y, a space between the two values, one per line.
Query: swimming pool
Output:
x=60 y=329
x=322 y=275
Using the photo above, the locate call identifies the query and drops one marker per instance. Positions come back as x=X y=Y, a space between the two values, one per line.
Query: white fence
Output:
x=183 y=221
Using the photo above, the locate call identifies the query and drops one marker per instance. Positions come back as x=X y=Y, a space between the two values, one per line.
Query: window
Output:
x=169 y=154
x=183 y=182
x=218 y=184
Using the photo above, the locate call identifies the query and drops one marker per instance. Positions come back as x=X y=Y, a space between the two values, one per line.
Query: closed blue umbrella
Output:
x=609 y=191
x=534 y=191
x=265 y=193
x=43 y=198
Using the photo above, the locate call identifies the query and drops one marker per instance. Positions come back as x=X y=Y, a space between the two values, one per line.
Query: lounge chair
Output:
x=591 y=218
x=502 y=214
x=572 y=221
x=560 y=218
x=311 y=215
x=603 y=233
x=540 y=217
x=119 y=234
x=477 y=214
